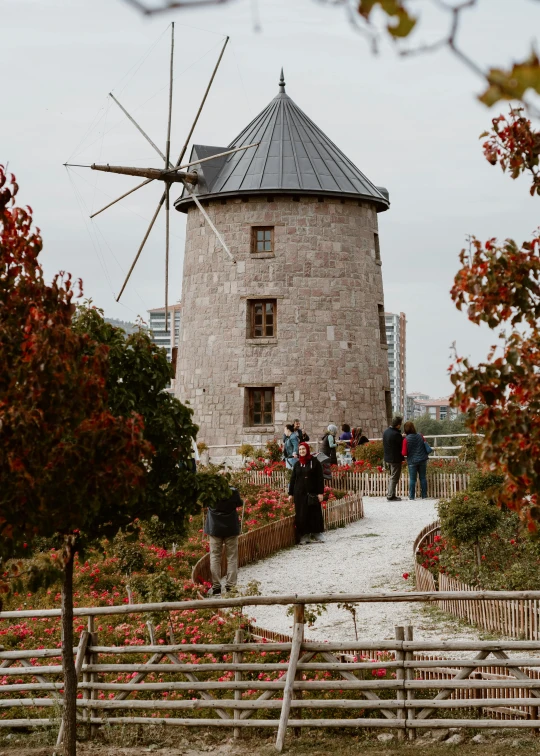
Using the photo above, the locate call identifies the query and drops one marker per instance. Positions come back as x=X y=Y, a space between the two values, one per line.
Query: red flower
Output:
x=405 y=575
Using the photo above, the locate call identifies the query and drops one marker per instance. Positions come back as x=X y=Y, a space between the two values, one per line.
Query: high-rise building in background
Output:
x=396 y=326
x=166 y=339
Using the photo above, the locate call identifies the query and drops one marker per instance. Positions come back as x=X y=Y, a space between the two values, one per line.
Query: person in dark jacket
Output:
x=223 y=527
x=302 y=435
x=414 y=448
x=306 y=489
x=392 y=442
x=329 y=444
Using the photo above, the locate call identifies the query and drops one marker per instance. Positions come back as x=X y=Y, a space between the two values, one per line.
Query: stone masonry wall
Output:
x=327 y=362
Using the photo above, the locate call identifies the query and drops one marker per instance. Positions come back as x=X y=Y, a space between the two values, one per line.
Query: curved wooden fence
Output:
x=263 y=542
x=513 y=618
x=440 y=485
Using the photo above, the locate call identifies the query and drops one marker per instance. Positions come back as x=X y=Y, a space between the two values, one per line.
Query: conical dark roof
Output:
x=293 y=156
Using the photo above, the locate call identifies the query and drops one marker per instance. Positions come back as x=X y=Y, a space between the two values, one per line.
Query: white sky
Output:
x=410 y=125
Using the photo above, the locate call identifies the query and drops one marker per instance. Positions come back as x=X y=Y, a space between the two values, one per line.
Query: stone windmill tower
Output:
x=295 y=328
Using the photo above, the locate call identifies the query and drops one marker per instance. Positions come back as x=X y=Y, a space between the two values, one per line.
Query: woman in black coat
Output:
x=307 y=489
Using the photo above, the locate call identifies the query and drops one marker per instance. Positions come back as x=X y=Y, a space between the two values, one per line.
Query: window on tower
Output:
x=260 y=406
x=262 y=318
x=262 y=239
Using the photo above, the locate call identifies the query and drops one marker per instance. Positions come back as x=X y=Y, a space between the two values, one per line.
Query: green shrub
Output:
x=247 y=451
x=485 y=481
x=160 y=533
x=274 y=451
x=469 y=448
x=372 y=452
x=467 y=517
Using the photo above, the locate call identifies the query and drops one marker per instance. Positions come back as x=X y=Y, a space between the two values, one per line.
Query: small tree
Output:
x=70 y=469
x=467 y=517
x=138 y=374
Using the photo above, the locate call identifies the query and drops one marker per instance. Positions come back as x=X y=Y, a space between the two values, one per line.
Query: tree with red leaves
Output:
x=70 y=469
x=499 y=284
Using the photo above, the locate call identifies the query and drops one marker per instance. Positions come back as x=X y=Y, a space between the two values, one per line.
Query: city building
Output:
x=295 y=327
x=438 y=409
x=396 y=326
x=166 y=339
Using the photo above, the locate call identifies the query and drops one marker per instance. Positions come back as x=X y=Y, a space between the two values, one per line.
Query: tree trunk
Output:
x=69 y=718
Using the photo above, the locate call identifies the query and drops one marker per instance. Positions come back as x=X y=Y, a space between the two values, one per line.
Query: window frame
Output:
x=251 y=406
x=255 y=241
x=252 y=304
x=377 y=246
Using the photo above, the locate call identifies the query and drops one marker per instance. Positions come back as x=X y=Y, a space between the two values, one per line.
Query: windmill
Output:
x=169 y=175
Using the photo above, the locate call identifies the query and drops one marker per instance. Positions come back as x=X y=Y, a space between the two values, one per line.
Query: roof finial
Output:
x=281 y=83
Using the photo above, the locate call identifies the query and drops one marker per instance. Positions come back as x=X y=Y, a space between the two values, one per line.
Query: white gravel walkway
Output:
x=369 y=555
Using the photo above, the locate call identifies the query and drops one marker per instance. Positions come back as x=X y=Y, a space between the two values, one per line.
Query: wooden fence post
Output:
x=297 y=640
x=400 y=675
x=299 y=612
x=237 y=659
x=409 y=675
x=92 y=676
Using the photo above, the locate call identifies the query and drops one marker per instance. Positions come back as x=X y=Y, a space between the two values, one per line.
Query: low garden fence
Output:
x=512 y=617
x=391 y=684
x=440 y=485
x=263 y=542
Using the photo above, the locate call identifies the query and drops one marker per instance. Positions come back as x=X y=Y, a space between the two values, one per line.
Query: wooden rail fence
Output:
x=440 y=485
x=263 y=542
x=391 y=684
x=513 y=618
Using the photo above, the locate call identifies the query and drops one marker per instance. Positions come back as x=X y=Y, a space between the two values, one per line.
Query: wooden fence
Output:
x=513 y=618
x=440 y=485
x=263 y=542
x=392 y=684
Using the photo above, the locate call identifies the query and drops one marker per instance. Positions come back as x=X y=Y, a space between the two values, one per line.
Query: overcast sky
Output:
x=410 y=125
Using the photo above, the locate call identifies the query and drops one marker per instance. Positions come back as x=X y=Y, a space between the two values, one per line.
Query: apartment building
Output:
x=396 y=339
x=168 y=339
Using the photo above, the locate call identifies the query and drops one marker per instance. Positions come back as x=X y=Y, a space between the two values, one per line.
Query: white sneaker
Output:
x=317 y=538
x=304 y=540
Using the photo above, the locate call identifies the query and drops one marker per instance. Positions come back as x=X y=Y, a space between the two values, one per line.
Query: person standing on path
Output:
x=392 y=443
x=306 y=489
x=223 y=528
x=329 y=444
x=414 y=448
x=290 y=446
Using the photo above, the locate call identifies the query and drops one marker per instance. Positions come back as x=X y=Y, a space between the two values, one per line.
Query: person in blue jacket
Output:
x=414 y=448
x=290 y=446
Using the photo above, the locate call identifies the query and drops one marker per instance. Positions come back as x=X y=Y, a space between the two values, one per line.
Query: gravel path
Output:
x=369 y=555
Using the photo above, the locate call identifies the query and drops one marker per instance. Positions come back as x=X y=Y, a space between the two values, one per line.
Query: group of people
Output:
x=414 y=448
x=306 y=487
x=293 y=435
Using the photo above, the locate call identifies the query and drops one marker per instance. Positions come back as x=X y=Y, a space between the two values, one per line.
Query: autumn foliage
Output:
x=69 y=468
x=499 y=284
